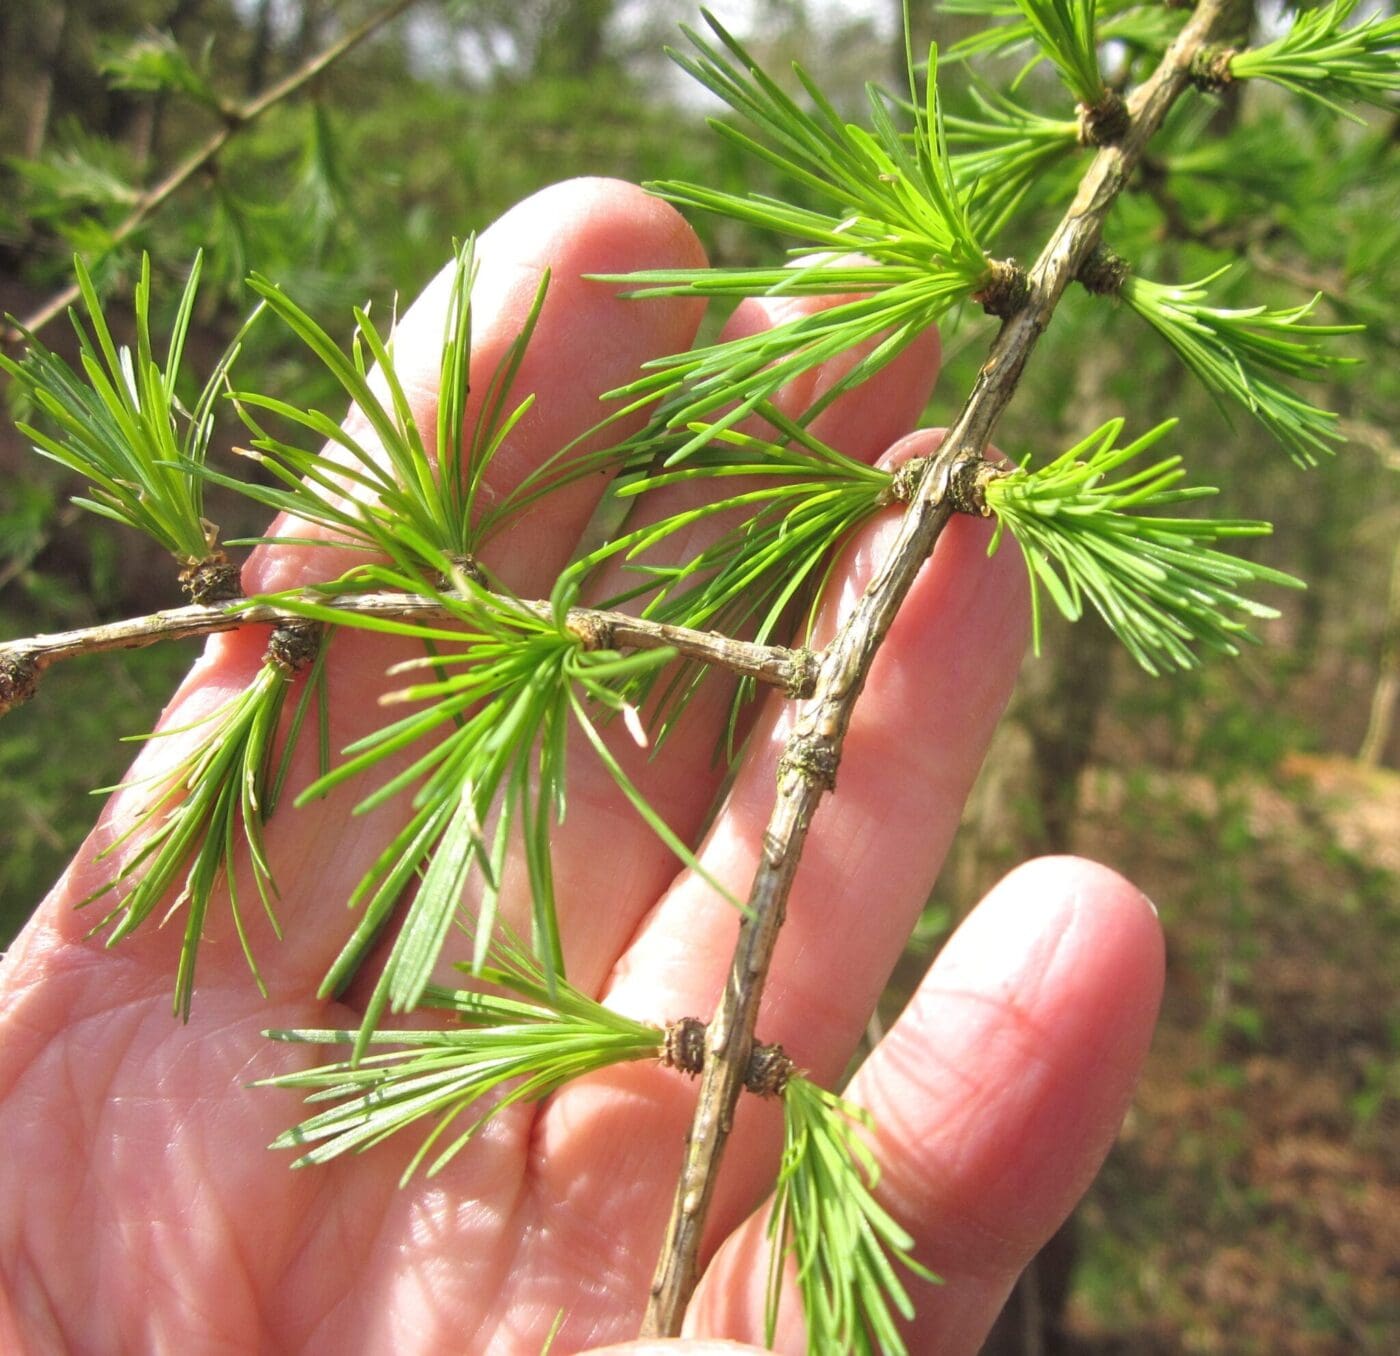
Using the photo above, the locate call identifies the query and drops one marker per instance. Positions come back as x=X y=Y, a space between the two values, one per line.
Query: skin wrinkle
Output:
x=1060 y=1054
x=347 y=1231
x=960 y=1154
x=558 y=1251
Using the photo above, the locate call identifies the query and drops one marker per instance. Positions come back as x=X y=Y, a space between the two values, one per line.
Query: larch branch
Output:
x=808 y=767
x=23 y=661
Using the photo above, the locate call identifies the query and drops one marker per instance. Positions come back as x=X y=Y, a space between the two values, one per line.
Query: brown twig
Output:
x=793 y=670
x=236 y=117
x=808 y=767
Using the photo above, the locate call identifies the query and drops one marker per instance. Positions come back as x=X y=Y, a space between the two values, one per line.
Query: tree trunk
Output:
x=1387 y=690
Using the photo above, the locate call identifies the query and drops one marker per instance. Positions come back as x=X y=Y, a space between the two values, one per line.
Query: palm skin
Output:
x=139 y=1208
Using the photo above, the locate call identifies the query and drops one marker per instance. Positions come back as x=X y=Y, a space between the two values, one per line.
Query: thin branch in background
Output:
x=1380 y=721
x=41 y=106
x=237 y=117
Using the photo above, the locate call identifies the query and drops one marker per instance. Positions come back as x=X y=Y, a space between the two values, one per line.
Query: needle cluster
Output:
x=1010 y=150
x=1239 y=353
x=498 y=1052
x=1155 y=579
x=388 y=493
x=896 y=228
x=794 y=500
x=1321 y=59
x=845 y=1244
x=120 y=425
x=490 y=734
x=199 y=817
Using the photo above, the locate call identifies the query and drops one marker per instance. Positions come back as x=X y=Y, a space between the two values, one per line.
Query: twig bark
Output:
x=23 y=661
x=236 y=117
x=808 y=767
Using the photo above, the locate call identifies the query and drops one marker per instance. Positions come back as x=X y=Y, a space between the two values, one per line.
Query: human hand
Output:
x=140 y=1210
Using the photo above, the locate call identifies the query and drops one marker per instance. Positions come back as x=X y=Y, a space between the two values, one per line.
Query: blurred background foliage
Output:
x=1254 y=1202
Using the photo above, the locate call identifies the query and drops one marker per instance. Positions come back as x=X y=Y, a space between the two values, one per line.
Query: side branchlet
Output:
x=187 y=835
x=1319 y=58
x=121 y=425
x=1155 y=578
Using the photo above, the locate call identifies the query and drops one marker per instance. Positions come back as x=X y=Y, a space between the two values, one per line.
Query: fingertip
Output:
x=593 y=225
x=1002 y=1087
x=584 y=230
x=1074 y=936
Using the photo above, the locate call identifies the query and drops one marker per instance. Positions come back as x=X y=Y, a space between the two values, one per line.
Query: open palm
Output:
x=139 y=1208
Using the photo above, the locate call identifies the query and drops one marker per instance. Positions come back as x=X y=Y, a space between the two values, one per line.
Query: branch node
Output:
x=465 y=565
x=965 y=490
x=1005 y=288
x=1210 y=68
x=19 y=680
x=1106 y=122
x=802 y=680
x=768 y=1071
x=904 y=482
x=594 y=631
x=683 y=1048
x=294 y=645
x=811 y=758
x=1103 y=273
x=215 y=579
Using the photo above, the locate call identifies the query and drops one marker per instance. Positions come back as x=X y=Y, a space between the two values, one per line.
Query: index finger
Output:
x=589 y=339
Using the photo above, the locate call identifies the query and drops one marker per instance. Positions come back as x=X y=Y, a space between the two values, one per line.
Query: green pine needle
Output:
x=799 y=500
x=120 y=422
x=1010 y=151
x=1064 y=31
x=396 y=490
x=507 y=685
x=521 y=1050
x=1146 y=29
x=890 y=197
x=1320 y=60
x=1156 y=580
x=154 y=63
x=1234 y=353
x=196 y=816
x=846 y=1244
x=497 y=714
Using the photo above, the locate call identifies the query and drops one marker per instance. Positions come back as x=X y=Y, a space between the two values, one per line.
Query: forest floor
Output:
x=1253 y=1202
